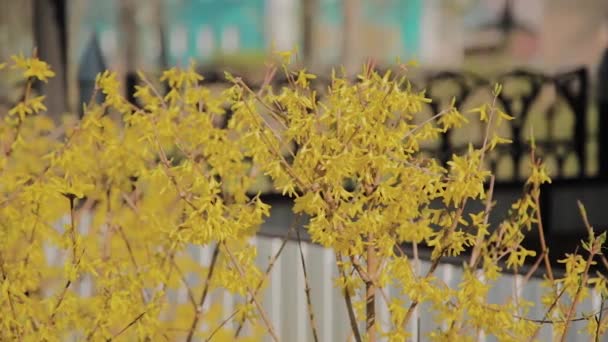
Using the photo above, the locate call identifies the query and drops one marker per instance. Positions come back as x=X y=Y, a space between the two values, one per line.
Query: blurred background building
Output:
x=152 y=34
x=546 y=34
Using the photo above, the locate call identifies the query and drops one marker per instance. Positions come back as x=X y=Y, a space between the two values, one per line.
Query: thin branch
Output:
x=282 y=160
x=589 y=227
x=349 y=304
x=578 y=293
x=127 y=326
x=72 y=226
x=366 y=277
x=370 y=291
x=261 y=311
x=542 y=321
x=145 y=294
x=436 y=262
x=475 y=255
x=8 y=295
x=154 y=90
x=271 y=264
x=416 y=258
x=32 y=235
x=534 y=267
x=199 y=309
x=583 y=213
x=185 y=283
x=75 y=259
x=562 y=291
x=541 y=229
x=311 y=314
x=60 y=300
x=433 y=118
x=598 y=321
x=548 y=321
x=224 y=322
x=257 y=96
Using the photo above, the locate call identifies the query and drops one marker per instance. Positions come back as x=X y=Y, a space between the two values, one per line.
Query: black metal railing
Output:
x=562 y=112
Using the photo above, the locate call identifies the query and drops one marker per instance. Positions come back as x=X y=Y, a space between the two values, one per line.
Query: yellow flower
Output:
x=33 y=67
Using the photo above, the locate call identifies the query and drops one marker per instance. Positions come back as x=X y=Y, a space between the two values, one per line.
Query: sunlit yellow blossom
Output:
x=33 y=67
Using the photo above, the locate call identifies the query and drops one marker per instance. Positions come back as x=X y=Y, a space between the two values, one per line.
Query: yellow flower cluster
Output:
x=155 y=185
x=167 y=177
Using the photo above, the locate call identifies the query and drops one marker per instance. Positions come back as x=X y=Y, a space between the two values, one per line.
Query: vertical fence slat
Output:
x=275 y=293
x=327 y=283
x=303 y=325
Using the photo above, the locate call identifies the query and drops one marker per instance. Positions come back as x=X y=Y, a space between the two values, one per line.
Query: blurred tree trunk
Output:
x=50 y=40
x=130 y=44
x=15 y=36
x=351 y=10
x=602 y=103
x=309 y=10
x=159 y=20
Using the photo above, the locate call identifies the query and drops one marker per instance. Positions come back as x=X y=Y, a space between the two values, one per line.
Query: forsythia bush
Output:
x=176 y=172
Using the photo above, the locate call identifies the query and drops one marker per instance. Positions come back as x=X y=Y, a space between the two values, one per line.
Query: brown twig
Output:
x=271 y=264
x=366 y=277
x=32 y=235
x=349 y=304
x=416 y=258
x=257 y=96
x=71 y=198
x=269 y=144
x=184 y=281
x=123 y=236
x=311 y=315
x=589 y=227
x=598 y=320
x=224 y=322
x=60 y=300
x=8 y=295
x=578 y=292
x=370 y=291
x=541 y=229
x=548 y=321
x=553 y=305
x=475 y=255
x=261 y=311
x=534 y=267
x=431 y=119
x=127 y=326
x=435 y=263
x=201 y=302
x=75 y=259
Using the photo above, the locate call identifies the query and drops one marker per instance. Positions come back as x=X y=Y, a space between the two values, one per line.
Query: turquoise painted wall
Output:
x=244 y=16
x=403 y=15
x=247 y=17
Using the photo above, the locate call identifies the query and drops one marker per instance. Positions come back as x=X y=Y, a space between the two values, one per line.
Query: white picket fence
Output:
x=285 y=302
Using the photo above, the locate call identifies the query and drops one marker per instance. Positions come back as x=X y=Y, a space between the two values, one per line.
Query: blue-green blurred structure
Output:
x=204 y=29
